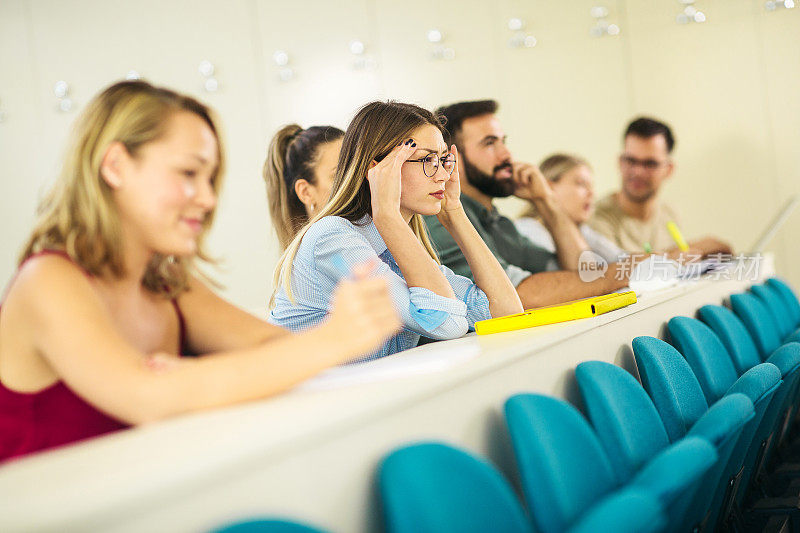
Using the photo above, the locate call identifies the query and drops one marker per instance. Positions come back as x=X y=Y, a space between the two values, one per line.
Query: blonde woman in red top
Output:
x=107 y=299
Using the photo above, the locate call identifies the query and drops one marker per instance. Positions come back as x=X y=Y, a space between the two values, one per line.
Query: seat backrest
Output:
x=776 y=307
x=562 y=465
x=758 y=322
x=723 y=426
x=733 y=334
x=789 y=297
x=624 y=418
x=724 y=420
x=705 y=354
x=675 y=475
x=759 y=384
x=614 y=514
x=672 y=386
x=433 y=487
x=787 y=360
x=267 y=525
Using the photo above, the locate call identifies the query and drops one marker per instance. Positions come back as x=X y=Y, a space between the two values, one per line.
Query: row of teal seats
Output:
x=568 y=481
x=674 y=455
x=769 y=325
x=717 y=356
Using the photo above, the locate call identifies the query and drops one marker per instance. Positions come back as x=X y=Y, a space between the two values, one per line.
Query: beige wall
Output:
x=729 y=87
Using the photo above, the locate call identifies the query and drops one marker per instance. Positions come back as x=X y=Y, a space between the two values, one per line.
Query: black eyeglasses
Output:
x=431 y=162
x=647 y=164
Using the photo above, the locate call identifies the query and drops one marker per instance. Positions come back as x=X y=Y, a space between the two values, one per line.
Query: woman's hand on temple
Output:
x=384 y=180
x=452 y=187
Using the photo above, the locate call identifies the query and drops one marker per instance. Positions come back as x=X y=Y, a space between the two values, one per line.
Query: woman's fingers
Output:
x=385 y=162
x=406 y=149
x=454 y=151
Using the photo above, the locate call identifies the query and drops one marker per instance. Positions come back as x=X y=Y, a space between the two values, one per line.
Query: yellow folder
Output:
x=573 y=310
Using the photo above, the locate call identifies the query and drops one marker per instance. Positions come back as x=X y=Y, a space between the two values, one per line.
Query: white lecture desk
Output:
x=311 y=454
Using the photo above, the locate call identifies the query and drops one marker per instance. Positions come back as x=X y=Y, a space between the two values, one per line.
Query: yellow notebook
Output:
x=573 y=310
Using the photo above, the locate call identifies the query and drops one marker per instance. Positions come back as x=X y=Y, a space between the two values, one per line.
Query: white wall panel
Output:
x=91 y=44
x=729 y=87
x=22 y=147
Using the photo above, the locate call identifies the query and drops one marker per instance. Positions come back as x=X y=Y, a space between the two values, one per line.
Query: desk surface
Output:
x=312 y=453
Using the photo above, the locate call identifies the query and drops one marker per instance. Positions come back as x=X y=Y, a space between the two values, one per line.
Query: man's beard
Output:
x=640 y=198
x=487 y=183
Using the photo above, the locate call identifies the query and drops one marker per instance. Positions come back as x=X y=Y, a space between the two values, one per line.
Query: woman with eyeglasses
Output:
x=394 y=167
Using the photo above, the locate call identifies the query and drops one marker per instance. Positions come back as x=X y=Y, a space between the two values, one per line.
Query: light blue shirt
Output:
x=327 y=254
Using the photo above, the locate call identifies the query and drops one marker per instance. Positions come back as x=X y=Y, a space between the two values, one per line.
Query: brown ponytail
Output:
x=292 y=155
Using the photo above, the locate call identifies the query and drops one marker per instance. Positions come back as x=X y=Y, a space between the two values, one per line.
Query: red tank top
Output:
x=53 y=416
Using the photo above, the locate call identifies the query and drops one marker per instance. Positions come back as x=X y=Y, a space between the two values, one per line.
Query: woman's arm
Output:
x=532 y=186
x=215 y=325
x=416 y=265
x=75 y=335
x=338 y=247
x=486 y=270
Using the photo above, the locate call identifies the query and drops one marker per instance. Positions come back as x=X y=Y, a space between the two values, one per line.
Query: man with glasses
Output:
x=488 y=171
x=635 y=218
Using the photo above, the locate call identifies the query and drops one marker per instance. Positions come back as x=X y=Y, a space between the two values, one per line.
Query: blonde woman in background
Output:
x=394 y=167
x=298 y=173
x=572 y=181
x=106 y=300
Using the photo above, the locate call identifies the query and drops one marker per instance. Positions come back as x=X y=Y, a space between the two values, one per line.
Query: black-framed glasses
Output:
x=431 y=162
x=647 y=164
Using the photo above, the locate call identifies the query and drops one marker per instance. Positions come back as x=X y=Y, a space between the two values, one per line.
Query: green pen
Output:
x=647 y=248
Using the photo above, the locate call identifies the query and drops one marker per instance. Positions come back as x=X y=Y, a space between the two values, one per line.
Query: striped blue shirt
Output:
x=327 y=254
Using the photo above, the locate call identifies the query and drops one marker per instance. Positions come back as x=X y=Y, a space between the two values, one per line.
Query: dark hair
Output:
x=646 y=127
x=454 y=115
x=292 y=155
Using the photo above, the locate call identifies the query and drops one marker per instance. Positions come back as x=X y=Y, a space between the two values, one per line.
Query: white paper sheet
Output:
x=427 y=359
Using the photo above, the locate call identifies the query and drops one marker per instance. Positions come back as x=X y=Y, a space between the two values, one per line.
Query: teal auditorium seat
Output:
x=631 y=431
x=733 y=334
x=708 y=356
x=711 y=363
x=781 y=308
x=776 y=307
x=568 y=480
x=758 y=321
x=432 y=487
x=756 y=318
x=563 y=468
x=789 y=298
x=614 y=515
x=267 y=525
x=681 y=399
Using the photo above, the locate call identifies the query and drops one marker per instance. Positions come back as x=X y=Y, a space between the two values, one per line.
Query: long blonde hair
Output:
x=374 y=131
x=79 y=214
x=292 y=155
x=553 y=167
